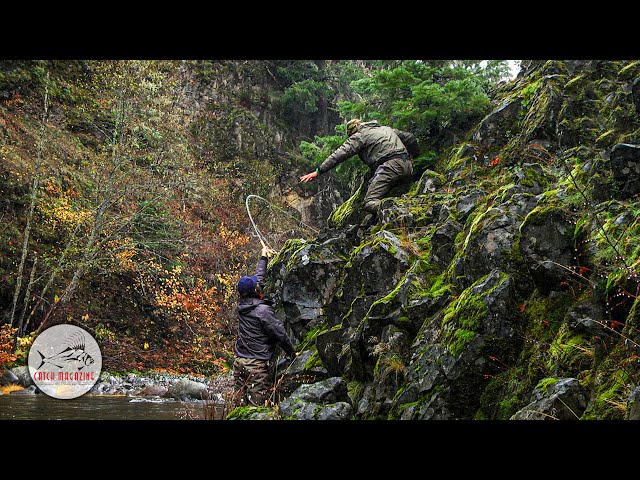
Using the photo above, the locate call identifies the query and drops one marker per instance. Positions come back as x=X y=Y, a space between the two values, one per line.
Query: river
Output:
x=101 y=407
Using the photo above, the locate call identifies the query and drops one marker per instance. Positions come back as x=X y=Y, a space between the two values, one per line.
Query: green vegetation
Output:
x=123 y=212
x=463 y=316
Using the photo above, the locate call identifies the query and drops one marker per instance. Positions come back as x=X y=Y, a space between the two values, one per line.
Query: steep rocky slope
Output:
x=502 y=285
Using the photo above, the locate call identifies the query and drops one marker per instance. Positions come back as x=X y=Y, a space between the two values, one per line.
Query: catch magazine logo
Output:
x=65 y=361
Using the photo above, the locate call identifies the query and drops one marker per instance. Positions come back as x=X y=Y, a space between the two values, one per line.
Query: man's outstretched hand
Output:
x=267 y=252
x=308 y=177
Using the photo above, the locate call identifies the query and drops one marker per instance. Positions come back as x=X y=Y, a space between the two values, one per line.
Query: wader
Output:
x=252 y=380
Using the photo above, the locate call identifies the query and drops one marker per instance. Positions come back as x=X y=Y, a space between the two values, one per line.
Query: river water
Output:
x=101 y=407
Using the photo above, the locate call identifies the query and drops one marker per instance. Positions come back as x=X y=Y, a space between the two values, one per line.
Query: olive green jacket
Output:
x=374 y=143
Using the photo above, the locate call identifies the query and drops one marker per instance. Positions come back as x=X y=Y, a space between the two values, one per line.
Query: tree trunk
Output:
x=322 y=122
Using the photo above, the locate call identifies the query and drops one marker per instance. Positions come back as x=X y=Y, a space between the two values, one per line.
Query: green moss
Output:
x=501 y=398
x=467 y=310
x=355 y=389
x=397 y=411
x=293 y=259
x=404 y=321
x=538 y=105
x=547 y=312
x=424 y=243
x=439 y=287
x=465 y=315
x=373 y=243
x=533 y=178
x=312 y=334
x=607 y=139
x=314 y=361
x=440 y=178
x=388 y=299
x=426 y=175
x=475 y=223
x=630 y=71
x=290 y=247
x=539 y=214
x=610 y=396
x=528 y=93
x=344 y=211
x=633 y=319
x=573 y=84
x=246 y=412
x=554 y=67
x=507 y=407
x=569 y=351
x=454 y=159
x=546 y=383
x=510 y=390
x=461 y=337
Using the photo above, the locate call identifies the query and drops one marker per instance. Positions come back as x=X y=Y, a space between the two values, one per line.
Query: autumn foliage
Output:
x=188 y=298
x=7 y=342
x=131 y=234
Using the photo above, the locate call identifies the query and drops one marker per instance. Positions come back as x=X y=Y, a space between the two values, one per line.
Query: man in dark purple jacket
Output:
x=259 y=333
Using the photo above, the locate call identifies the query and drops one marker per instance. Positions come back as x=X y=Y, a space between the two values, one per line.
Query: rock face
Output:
x=493 y=289
x=625 y=164
x=564 y=399
x=325 y=400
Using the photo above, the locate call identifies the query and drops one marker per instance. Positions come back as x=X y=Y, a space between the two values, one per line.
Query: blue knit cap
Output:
x=247 y=285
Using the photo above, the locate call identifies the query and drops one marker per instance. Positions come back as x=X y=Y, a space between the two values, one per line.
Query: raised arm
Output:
x=261 y=269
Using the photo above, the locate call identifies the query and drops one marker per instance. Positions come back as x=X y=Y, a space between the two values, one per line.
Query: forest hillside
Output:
x=123 y=186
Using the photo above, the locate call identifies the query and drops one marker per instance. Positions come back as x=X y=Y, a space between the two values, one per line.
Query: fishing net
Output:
x=274 y=224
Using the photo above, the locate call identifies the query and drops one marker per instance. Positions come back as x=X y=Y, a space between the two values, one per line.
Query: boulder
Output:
x=188 y=390
x=8 y=378
x=326 y=400
x=305 y=368
x=564 y=399
x=492 y=131
x=23 y=375
x=633 y=405
x=547 y=247
x=153 y=391
x=635 y=89
x=624 y=160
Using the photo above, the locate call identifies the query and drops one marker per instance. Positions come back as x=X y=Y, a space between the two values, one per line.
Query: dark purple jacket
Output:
x=259 y=330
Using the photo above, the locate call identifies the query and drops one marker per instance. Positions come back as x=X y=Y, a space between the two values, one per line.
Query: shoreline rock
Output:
x=164 y=385
x=169 y=386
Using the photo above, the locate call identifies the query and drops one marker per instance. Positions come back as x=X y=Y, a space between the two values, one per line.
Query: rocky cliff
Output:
x=501 y=285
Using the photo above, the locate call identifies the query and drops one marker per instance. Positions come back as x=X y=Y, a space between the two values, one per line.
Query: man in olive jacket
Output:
x=259 y=333
x=385 y=150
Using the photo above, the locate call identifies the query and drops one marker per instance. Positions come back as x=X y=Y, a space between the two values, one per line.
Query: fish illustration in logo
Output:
x=73 y=355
